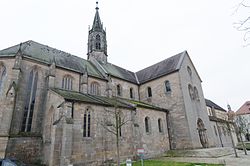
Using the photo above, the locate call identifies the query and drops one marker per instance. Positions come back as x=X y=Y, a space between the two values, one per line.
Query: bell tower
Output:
x=97 y=44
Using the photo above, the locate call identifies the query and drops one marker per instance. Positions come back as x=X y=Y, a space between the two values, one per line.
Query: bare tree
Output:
x=243 y=24
x=112 y=122
x=241 y=123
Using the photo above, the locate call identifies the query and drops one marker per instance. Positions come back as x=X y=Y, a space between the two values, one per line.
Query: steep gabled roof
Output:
x=211 y=104
x=244 y=109
x=46 y=54
x=162 y=68
x=119 y=72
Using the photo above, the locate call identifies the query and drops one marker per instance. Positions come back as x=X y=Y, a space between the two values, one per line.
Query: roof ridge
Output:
x=162 y=61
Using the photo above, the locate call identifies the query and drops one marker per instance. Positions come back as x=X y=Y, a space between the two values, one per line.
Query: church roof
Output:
x=33 y=50
x=162 y=68
x=119 y=72
x=244 y=109
x=211 y=104
x=46 y=54
x=102 y=100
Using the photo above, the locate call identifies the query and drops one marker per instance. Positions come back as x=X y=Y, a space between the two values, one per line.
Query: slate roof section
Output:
x=106 y=101
x=244 y=109
x=211 y=104
x=119 y=72
x=46 y=54
x=160 y=69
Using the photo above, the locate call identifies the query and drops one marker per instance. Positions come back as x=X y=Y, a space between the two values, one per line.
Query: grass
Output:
x=170 y=163
x=239 y=146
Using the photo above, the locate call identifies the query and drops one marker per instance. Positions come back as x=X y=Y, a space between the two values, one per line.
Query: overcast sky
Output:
x=141 y=33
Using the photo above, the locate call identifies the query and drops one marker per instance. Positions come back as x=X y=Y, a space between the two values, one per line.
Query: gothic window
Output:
x=167 y=86
x=86 y=123
x=30 y=101
x=147 y=124
x=67 y=82
x=191 y=91
x=119 y=90
x=160 y=126
x=98 y=42
x=131 y=91
x=95 y=88
x=189 y=71
x=2 y=76
x=196 y=94
x=149 y=92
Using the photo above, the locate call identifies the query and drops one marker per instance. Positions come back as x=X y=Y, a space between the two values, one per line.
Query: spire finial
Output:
x=97 y=5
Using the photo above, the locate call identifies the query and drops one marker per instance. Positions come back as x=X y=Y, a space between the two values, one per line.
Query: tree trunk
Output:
x=117 y=137
x=243 y=144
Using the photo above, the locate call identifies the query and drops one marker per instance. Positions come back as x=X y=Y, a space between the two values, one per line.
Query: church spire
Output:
x=97 y=24
x=97 y=44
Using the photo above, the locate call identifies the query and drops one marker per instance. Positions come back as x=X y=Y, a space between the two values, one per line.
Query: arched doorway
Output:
x=202 y=133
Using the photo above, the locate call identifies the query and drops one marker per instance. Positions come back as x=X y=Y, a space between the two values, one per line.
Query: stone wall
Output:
x=125 y=88
x=195 y=106
x=26 y=149
x=173 y=101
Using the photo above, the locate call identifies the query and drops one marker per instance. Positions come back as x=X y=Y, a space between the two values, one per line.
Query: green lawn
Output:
x=240 y=146
x=169 y=163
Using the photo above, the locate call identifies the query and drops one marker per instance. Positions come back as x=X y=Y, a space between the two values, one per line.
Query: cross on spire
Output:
x=97 y=5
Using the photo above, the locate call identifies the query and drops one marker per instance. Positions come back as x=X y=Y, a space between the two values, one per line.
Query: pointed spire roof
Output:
x=97 y=24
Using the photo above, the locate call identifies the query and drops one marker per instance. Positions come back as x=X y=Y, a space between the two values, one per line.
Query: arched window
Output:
x=131 y=91
x=86 y=123
x=98 y=37
x=98 y=42
x=119 y=90
x=196 y=94
x=30 y=101
x=149 y=92
x=189 y=71
x=2 y=76
x=147 y=124
x=167 y=86
x=67 y=82
x=160 y=126
x=95 y=88
x=191 y=91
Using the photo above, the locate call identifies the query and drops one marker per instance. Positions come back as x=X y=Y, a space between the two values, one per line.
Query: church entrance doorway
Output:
x=202 y=133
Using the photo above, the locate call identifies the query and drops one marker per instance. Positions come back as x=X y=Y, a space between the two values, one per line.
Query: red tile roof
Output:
x=244 y=109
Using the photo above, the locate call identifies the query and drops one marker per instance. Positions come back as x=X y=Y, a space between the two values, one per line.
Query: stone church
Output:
x=60 y=109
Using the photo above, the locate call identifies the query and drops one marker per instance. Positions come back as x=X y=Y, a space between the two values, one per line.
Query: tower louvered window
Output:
x=98 y=42
x=30 y=101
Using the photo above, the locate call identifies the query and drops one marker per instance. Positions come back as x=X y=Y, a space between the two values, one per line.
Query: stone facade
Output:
x=58 y=109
